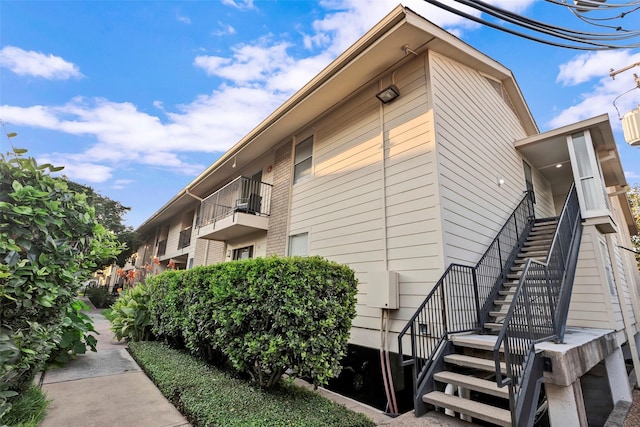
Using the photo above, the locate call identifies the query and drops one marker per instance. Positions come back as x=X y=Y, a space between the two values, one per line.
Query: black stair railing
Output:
x=538 y=312
x=461 y=299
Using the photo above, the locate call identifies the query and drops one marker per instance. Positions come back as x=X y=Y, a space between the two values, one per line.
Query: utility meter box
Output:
x=383 y=290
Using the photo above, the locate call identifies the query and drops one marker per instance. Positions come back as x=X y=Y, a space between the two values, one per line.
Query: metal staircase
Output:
x=475 y=333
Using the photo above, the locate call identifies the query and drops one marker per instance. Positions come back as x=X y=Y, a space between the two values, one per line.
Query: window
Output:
x=298 y=244
x=608 y=267
x=303 y=160
x=587 y=175
x=243 y=253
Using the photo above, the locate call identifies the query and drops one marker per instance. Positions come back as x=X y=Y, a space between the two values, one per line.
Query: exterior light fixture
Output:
x=11 y=134
x=559 y=165
x=500 y=181
x=388 y=94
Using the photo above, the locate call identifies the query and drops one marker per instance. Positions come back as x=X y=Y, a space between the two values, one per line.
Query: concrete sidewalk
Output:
x=106 y=388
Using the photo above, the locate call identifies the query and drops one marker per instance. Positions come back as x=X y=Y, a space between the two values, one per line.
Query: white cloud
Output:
x=249 y=62
x=183 y=19
x=592 y=65
x=120 y=184
x=77 y=167
x=242 y=4
x=31 y=63
x=258 y=78
x=631 y=175
x=600 y=97
x=223 y=30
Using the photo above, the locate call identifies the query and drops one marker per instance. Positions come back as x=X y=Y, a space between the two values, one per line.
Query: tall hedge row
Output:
x=266 y=315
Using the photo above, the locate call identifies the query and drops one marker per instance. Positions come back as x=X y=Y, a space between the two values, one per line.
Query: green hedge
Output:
x=210 y=397
x=266 y=315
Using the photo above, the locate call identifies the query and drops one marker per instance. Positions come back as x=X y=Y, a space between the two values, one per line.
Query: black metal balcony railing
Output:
x=241 y=195
x=185 y=238
x=162 y=247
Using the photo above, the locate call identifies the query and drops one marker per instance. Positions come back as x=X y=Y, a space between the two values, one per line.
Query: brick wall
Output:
x=277 y=234
x=216 y=252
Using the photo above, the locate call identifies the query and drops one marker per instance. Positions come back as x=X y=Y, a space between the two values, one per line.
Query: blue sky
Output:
x=135 y=98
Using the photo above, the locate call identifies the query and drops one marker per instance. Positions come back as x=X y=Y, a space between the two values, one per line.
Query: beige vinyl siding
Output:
x=591 y=302
x=475 y=130
x=343 y=205
x=618 y=264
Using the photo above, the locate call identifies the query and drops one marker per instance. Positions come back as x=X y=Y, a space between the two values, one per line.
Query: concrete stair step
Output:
x=472 y=383
x=478 y=410
x=474 y=362
x=474 y=341
x=535 y=246
x=493 y=326
x=533 y=254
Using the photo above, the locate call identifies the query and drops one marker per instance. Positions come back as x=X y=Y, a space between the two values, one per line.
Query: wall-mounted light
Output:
x=500 y=181
x=388 y=94
x=234 y=163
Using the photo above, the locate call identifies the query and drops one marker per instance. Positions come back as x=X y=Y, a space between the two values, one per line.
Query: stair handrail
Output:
x=527 y=324
x=469 y=287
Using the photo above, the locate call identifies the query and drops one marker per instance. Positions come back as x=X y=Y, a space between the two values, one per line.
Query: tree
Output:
x=110 y=213
x=49 y=241
x=634 y=201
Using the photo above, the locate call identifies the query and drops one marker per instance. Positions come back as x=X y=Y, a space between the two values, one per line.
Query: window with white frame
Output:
x=608 y=268
x=299 y=244
x=303 y=160
x=587 y=175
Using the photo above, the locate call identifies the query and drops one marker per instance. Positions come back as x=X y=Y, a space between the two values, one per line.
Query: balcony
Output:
x=162 y=247
x=185 y=238
x=239 y=208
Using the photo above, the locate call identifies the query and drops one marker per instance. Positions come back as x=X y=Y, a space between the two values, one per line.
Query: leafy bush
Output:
x=129 y=316
x=210 y=397
x=267 y=315
x=75 y=335
x=49 y=239
x=100 y=297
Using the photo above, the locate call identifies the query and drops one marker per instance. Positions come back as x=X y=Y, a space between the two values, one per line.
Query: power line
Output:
x=580 y=40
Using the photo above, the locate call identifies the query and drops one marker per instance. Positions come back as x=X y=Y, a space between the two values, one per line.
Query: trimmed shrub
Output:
x=129 y=316
x=266 y=315
x=167 y=306
x=100 y=297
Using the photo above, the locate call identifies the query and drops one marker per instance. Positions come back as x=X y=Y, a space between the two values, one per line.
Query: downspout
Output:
x=186 y=191
x=387 y=376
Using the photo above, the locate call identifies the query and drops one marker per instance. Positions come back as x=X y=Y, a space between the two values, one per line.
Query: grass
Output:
x=27 y=410
x=210 y=397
